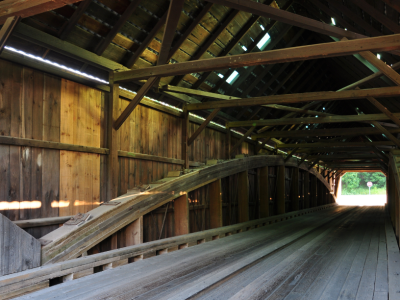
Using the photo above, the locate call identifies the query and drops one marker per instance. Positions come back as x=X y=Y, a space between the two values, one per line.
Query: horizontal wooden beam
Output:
x=43 y=39
x=8 y=140
x=41 y=222
x=157 y=158
x=283 y=16
x=297 y=98
x=187 y=91
x=358 y=165
x=382 y=43
x=178 y=89
x=311 y=120
x=343 y=156
x=334 y=145
x=323 y=132
x=27 y=8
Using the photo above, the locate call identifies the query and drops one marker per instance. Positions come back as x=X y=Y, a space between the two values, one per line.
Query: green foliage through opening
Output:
x=356 y=183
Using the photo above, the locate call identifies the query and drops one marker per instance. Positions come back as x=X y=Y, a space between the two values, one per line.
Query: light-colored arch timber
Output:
x=70 y=241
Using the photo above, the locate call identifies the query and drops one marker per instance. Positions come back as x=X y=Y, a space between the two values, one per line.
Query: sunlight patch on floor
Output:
x=362 y=200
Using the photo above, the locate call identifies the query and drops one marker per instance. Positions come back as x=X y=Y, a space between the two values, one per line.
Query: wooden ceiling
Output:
x=129 y=34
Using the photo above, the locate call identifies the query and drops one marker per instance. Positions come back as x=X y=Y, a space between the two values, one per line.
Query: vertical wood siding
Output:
x=38 y=183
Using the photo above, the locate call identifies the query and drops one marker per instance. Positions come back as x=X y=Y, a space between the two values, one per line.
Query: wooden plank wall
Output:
x=41 y=183
x=19 y=251
x=29 y=108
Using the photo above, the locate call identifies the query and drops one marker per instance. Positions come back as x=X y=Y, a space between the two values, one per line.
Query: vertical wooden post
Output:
x=228 y=143
x=263 y=191
x=280 y=190
x=295 y=189
x=337 y=185
x=396 y=207
x=313 y=191
x=181 y=214
x=243 y=196
x=112 y=141
x=391 y=195
x=185 y=137
x=215 y=194
x=134 y=232
x=306 y=190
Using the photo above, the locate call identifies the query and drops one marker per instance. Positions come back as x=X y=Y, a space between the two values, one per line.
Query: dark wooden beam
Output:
x=354 y=17
x=311 y=120
x=367 y=79
x=7 y=29
x=246 y=72
x=324 y=132
x=25 y=8
x=202 y=126
x=185 y=138
x=290 y=115
x=70 y=24
x=334 y=145
x=135 y=101
x=241 y=140
x=236 y=40
x=393 y=3
x=383 y=109
x=112 y=158
x=174 y=13
x=146 y=42
x=210 y=40
x=377 y=15
x=298 y=98
x=287 y=17
x=103 y=44
x=189 y=29
x=325 y=50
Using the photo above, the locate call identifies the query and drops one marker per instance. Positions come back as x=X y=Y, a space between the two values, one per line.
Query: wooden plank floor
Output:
x=339 y=253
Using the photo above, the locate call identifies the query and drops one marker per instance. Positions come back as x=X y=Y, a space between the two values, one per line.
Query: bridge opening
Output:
x=362 y=189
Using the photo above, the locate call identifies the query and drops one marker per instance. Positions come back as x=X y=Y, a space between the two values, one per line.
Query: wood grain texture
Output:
x=19 y=251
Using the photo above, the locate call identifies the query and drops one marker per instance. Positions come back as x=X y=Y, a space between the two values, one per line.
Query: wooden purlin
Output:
x=211 y=39
x=70 y=24
x=246 y=72
x=270 y=46
x=145 y=43
x=377 y=15
x=103 y=44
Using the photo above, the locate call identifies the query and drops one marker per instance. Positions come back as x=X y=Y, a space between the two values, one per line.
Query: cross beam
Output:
x=323 y=132
x=296 y=98
x=334 y=145
x=325 y=50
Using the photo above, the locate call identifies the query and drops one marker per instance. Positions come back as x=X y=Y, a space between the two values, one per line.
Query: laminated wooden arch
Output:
x=70 y=241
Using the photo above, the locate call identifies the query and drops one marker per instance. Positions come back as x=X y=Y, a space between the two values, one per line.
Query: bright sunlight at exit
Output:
x=362 y=188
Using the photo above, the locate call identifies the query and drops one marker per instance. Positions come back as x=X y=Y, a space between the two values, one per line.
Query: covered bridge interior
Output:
x=130 y=130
